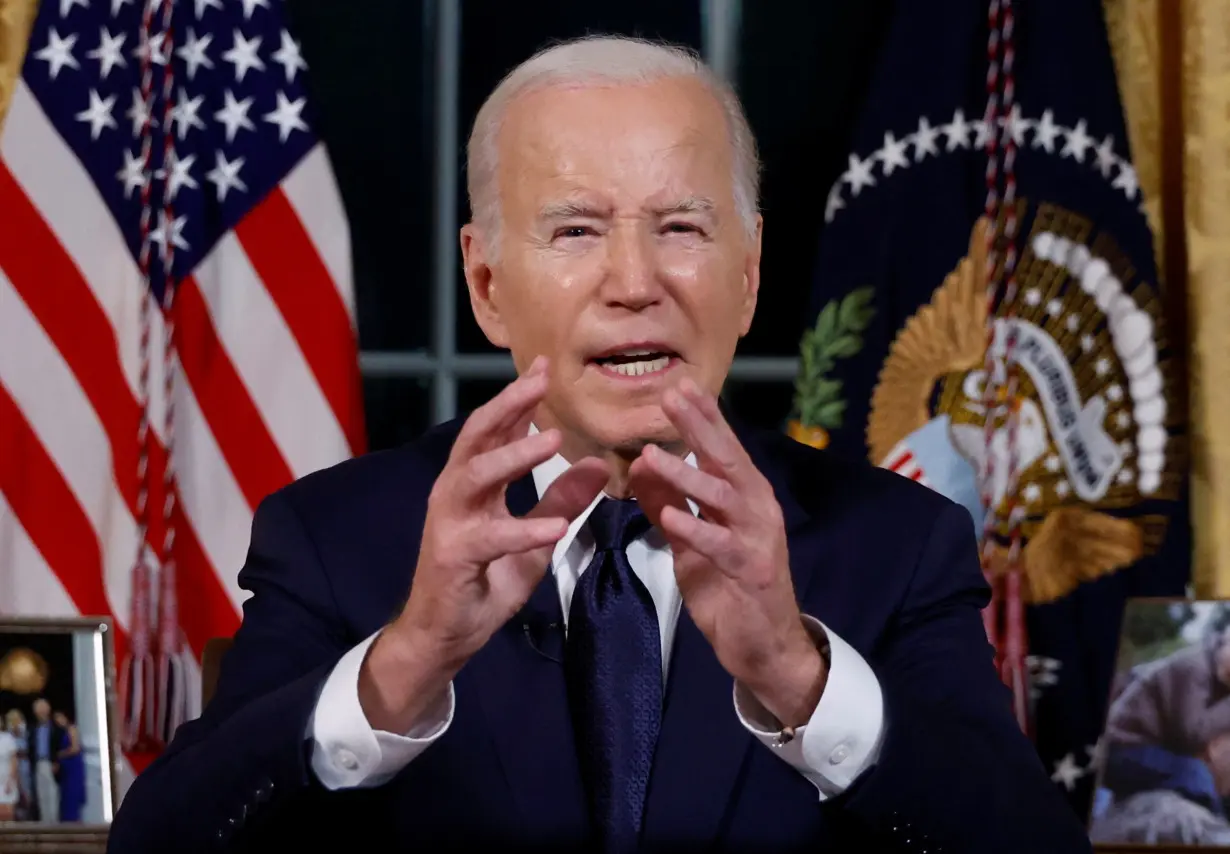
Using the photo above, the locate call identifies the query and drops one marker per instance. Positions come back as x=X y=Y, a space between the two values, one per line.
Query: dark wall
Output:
x=803 y=71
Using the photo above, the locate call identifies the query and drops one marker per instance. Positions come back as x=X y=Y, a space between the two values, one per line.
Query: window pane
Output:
x=471 y=394
x=761 y=404
x=804 y=66
x=498 y=35
x=369 y=82
x=397 y=409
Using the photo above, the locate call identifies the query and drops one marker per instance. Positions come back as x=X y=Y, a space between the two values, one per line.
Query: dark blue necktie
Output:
x=613 y=659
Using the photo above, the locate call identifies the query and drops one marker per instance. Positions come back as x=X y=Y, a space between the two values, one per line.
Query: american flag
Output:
x=160 y=183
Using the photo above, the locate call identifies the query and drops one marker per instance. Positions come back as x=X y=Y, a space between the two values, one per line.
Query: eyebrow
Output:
x=689 y=204
x=572 y=210
x=584 y=210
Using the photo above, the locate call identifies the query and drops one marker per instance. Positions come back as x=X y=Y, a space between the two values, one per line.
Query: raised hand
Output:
x=731 y=563
x=477 y=563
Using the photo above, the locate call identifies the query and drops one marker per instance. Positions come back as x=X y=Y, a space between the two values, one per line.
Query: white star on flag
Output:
x=244 y=55
x=192 y=52
x=287 y=116
x=289 y=57
x=98 y=114
x=133 y=174
x=225 y=175
x=108 y=52
x=184 y=113
x=234 y=115
x=58 y=53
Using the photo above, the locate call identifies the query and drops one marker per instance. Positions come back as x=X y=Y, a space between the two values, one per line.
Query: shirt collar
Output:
x=545 y=474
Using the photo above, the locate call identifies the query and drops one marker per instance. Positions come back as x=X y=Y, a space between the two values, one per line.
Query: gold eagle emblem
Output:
x=1095 y=438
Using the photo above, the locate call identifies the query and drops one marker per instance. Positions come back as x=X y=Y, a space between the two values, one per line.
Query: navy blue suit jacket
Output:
x=889 y=565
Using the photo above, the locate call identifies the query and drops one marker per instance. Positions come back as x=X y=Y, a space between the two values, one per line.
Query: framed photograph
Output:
x=1164 y=778
x=58 y=730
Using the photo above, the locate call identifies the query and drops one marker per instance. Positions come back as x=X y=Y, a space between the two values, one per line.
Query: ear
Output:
x=481 y=283
x=751 y=278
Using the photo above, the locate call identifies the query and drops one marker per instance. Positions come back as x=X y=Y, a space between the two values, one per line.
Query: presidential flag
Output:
x=177 y=335
x=988 y=322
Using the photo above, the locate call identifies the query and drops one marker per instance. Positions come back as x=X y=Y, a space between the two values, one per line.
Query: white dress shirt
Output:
x=840 y=740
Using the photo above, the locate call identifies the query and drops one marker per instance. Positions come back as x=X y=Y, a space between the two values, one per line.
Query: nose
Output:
x=632 y=280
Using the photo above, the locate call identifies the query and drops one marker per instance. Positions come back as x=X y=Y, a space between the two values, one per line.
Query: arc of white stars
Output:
x=244 y=55
x=924 y=140
x=108 y=53
x=98 y=114
x=858 y=175
x=287 y=116
x=1048 y=136
x=892 y=154
x=58 y=54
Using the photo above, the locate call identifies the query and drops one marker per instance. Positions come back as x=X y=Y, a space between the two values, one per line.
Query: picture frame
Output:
x=1163 y=776
x=57 y=685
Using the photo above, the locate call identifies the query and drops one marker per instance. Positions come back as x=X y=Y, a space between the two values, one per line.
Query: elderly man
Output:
x=596 y=615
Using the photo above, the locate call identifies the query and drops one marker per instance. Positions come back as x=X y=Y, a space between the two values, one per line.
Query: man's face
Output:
x=621 y=256
x=42 y=710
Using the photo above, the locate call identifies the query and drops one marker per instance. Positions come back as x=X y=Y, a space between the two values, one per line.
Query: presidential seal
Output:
x=1096 y=449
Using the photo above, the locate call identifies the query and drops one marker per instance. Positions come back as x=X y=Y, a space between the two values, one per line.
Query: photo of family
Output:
x=1165 y=777
x=53 y=761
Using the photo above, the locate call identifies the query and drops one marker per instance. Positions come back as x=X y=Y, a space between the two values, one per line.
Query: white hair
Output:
x=604 y=59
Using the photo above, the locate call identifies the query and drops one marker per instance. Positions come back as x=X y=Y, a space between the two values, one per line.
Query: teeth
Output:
x=636 y=369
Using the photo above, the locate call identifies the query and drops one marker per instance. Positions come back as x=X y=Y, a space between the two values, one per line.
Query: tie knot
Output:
x=615 y=523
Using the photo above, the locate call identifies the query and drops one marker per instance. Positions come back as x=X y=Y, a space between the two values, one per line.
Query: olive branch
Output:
x=836 y=335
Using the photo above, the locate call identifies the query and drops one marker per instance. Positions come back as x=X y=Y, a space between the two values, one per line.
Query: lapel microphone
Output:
x=546 y=639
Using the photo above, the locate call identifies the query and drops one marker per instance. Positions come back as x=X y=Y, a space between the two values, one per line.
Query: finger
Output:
x=716 y=450
x=708 y=539
x=566 y=498
x=513 y=536
x=715 y=495
x=490 y=423
x=653 y=492
x=574 y=490
x=493 y=470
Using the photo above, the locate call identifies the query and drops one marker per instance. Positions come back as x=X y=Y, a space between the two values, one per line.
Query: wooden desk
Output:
x=55 y=842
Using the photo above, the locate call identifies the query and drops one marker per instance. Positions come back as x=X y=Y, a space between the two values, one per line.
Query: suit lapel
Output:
x=702 y=745
x=520 y=683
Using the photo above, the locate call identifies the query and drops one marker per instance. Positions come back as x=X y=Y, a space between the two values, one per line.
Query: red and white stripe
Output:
x=902 y=461
x=268 y=387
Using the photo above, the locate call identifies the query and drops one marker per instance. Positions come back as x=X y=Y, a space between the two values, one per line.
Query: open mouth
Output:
x=636 y=362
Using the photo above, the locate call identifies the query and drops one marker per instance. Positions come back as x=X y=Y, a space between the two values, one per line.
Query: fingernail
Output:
x=537 y=365
x=689 y=387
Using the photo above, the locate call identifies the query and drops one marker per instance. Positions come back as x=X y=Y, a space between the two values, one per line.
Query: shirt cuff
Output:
x=346 y=752
x=842 y=738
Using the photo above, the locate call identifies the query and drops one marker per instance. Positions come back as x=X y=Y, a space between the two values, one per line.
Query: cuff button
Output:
x=346 y=759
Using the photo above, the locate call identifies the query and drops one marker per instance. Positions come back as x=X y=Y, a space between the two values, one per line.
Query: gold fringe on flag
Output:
x=16 y=19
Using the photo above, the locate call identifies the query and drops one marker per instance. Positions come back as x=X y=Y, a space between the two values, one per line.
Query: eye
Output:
x=574 y=231
x=681 y=228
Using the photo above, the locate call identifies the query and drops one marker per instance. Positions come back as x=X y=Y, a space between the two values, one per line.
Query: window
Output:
x=396 y=86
